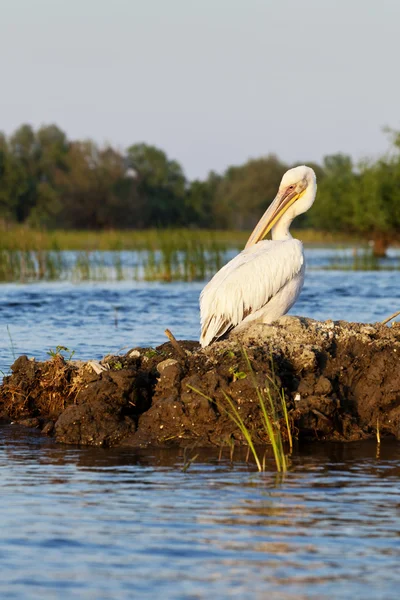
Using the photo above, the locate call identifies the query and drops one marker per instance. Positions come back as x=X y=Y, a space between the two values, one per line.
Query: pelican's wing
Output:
x=246 y=284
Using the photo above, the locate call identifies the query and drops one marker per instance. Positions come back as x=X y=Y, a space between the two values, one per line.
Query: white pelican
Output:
x=264 y=281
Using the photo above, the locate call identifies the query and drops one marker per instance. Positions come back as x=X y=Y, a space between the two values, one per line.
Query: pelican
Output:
x=264 y=281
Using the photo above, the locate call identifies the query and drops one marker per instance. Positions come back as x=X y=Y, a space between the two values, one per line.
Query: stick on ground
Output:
x=175 y=343
x=396 y=314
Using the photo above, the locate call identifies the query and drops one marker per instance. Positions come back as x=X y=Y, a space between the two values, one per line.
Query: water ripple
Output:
x=95 y=319
x=112 y=524
x=90 y=523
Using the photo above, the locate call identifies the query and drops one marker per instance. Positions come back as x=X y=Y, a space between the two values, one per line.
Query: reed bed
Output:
x=154 y=265
x=150 y=255
x=25 y=239
x=362 y=259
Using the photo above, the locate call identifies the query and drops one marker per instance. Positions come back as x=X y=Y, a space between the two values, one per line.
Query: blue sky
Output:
x=212 y=82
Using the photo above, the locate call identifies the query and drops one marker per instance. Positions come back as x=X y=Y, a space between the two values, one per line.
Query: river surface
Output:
x=115 y=524
x=94 y=319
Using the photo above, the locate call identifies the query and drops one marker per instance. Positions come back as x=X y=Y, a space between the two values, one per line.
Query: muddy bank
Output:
x=340 y=380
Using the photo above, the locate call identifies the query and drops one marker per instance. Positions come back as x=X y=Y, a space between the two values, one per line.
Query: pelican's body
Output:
x=264 y=281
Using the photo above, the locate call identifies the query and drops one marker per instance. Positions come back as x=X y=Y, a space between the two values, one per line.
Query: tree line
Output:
x=49 y=181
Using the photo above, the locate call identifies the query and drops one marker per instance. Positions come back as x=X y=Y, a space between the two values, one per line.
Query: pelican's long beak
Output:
x=283 y=200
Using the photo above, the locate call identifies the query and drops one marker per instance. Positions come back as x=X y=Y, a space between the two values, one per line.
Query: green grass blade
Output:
x=237 y=419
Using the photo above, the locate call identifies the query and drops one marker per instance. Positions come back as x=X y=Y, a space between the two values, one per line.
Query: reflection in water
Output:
x=118 y=523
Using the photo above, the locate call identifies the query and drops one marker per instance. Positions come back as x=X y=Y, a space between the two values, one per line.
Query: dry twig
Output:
x=175 y=343
x=396 y=314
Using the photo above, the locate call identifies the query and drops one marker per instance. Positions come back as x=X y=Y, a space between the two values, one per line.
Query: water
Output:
x=98 y=318
x=84 y=523
x=96 y=524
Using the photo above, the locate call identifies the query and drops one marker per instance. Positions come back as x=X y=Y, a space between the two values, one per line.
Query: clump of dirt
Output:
x=340 y=380
x=82 y=403
x=38 y=390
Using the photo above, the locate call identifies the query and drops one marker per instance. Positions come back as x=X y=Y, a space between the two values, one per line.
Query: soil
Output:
x=341 y=381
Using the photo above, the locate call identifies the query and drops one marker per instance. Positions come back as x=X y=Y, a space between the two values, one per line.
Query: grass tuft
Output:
x=269 y=416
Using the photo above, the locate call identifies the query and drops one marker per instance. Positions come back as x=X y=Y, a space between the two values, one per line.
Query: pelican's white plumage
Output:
x=266 y=273
x=265 y=279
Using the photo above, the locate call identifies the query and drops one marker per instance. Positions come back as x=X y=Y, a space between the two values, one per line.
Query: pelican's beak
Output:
x=283 y=200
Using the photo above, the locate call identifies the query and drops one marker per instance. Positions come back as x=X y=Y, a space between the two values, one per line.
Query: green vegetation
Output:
x=117 y=366
x=59 y=195
x=62 y=351
x=164 y=255
x=237 y=374
x=362 y=259
x=50 y=182
x=269 y=414
x=24 y=239
x=363 y=199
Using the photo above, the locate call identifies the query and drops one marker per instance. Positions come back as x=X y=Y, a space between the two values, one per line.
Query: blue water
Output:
x=115 y=524
x=94 y=319
x=84 y=523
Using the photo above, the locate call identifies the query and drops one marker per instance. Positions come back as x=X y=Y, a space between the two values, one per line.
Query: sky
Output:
x=211 y=82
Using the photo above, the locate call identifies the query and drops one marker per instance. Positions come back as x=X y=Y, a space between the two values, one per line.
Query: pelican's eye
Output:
x=291 y=187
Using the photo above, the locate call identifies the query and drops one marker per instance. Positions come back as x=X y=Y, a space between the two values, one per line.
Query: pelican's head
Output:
x=295 y=196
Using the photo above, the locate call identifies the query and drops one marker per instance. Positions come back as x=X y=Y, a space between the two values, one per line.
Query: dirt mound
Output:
x=340 y=380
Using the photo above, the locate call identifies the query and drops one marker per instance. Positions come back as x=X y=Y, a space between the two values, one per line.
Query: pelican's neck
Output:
x=281 y=230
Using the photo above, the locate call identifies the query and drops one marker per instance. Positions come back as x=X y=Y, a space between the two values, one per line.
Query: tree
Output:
x=200 y=198
x=23 y=148
x=334 y=206
x=362 y=200
x=94 y=191
x=161 y=186
x=51 y=148
x=48 y=181
x=244 y=192
x=11 y=181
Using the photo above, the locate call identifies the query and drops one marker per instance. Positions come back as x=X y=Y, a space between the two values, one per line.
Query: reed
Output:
x=270 y=420
x=153 y=255
x=362 y=258
x=281 y=393
x=22 y=238
x=235 y=416
x=150 y=255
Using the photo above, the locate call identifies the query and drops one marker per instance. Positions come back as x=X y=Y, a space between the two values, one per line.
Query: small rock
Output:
x=323 y=386
x=170 y=373
x=167 y=364
x=368 y=330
